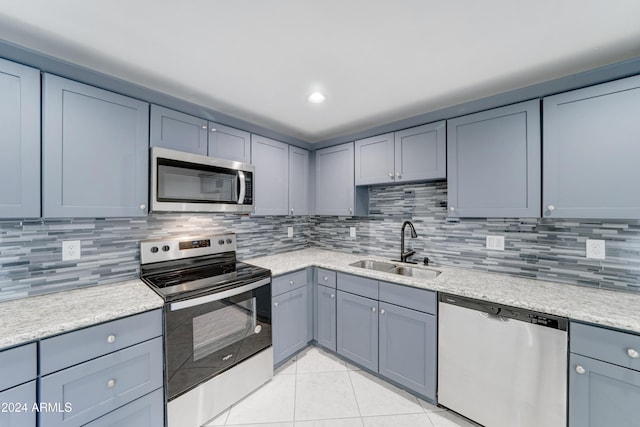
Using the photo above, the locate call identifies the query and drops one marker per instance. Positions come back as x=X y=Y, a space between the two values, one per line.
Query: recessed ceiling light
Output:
x=317 y=97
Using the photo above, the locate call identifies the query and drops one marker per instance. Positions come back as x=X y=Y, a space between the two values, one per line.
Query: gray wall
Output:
x=30 y=251
x=548 y=249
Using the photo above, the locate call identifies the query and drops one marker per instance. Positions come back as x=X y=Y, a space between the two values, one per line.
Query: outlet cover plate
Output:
x=289 y=231
x=352 y=231
x=70 y=250
x=596 y=249
x=495 y=243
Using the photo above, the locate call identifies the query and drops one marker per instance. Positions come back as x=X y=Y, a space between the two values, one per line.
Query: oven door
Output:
x=209 y=334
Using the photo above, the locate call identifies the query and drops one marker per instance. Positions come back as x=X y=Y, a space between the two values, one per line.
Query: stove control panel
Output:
x=185 y=247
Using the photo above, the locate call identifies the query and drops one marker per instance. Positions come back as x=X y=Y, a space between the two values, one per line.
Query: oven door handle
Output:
x=181 y=305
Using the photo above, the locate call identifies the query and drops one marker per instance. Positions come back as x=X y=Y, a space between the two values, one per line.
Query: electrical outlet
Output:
x=495 y=243
x=595 y=249
x=70 y=250
x=352 y=231
x=289 y=231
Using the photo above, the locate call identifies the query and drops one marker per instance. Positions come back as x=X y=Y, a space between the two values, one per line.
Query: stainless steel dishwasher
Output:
x=501 y=366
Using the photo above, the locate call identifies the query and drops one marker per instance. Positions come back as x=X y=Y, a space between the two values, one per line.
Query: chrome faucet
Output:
x=404 y=255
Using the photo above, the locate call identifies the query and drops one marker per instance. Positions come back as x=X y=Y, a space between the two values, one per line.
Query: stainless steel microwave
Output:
x=185 y=182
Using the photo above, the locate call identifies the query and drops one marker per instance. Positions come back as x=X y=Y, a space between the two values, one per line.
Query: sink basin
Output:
x=418 y=273
x=374 y=265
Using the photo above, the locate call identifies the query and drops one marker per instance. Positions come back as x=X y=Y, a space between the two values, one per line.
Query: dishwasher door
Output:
x=502 y=372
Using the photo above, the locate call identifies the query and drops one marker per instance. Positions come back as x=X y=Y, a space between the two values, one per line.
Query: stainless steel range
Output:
x=217 y=324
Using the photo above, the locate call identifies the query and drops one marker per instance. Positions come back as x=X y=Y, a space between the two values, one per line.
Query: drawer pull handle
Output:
x=275 y=304
x=580 y=370
x=111 y=339
x=633 y=353
x=325 y=278
x=111 y=383
x=291 y=282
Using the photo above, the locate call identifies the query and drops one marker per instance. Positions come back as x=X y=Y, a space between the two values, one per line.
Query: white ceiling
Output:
x=377 y=61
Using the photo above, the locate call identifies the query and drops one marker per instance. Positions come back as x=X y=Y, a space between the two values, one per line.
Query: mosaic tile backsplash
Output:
x=30 y=251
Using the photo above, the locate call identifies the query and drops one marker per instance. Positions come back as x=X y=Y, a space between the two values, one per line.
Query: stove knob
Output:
x=221 y=242
x=165 y=248
x=154 y=249
x=229 y=241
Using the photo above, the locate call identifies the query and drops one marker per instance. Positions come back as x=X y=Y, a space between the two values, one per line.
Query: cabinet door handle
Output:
x=390 y=175
x=580 y=370
x=275 y=304
x=291 y=211
x=213 y=129
x=451 y=208
x=204 y=126
x=111 y=339
x=373 y=309
x=143 y=207
x=111 y=383
x=291 y=282
x=350 y=210
x=333 y=296
x=632 y=353
x=325 y=278
x=398 y=175
x=382 y=311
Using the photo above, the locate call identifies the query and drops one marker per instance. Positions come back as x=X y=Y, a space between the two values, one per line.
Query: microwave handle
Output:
x=243 y=187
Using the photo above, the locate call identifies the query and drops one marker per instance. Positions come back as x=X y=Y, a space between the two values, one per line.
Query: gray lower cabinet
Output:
x=292 y=314
x=325 y=317
x=493 y=162
x=17 y=406
x=229 y=143
x=407 y=348
x=20 y=141
x=95 y=155
x=148 y=411
x=271 y=160
x=590 y=166
x=298 y=181
x=177 y=131
x=604 y=377
x=357 y=329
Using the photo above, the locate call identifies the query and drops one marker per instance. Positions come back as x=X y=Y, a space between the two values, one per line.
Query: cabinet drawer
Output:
x=148 y=411
x=362 y=286
x=288 y=282
x=606 y=345
x=18 y=365
x=406 y=296
x=326 y=277
x=75 y=347
x=101 y=385
x=17 y=406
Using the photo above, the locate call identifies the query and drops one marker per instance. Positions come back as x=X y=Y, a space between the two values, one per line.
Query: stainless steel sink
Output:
x=400 y=270
x=374 y=265
x=418 y=273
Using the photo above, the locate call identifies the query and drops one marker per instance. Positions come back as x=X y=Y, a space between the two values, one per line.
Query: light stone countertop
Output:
x=604 y=307
x=37 y=317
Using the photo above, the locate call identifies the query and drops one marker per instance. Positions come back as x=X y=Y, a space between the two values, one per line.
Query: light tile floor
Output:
x=317 y=389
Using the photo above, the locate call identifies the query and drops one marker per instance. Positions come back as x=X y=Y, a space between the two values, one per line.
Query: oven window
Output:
x=191 y=183
x=222 y=328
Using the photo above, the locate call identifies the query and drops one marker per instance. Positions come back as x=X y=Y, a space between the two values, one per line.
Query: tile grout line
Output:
x=355 y=396
x=295 y=389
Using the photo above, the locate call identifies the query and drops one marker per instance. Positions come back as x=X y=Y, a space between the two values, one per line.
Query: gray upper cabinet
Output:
x=493 y=162
x=335 y=187
x=271 y=160
x=414 y=154
x=229 y=143
x=374 y=160
x=591 y=151
x=95 y=152
x=421 y=153
x=20 y=141
x=298 y=181
x=178 y=131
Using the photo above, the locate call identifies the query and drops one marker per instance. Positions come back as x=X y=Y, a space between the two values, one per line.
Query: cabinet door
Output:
x=95 y=152
x=493 y=162
x=591 y=152
x=334 y=180
x=325 y=317
x=178 y=131
x=298 y=181
x=374 y=160
x=408 y=348
x=357 y=331
x=291 y=327
x=20 y=141
x=271 y=160
x=603 y=395
x=421 y=153
x=229 y=143
x=19 y=402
